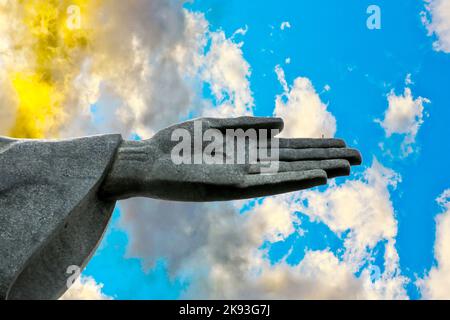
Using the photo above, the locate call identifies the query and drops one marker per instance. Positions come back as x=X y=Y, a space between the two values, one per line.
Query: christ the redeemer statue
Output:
x=57 y=197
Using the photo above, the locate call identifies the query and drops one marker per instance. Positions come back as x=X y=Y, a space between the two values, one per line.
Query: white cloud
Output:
x=147 y=67
x=135 y=67
x=304 y=113
x=320 y=275
x=143 y=69
x=85 y=288
x=437 y=21
x=363 y=208
x=241 y=31
x=281 y=76
x=436 y=285
x=218 y=250
x=404 y=116
x=227 y=72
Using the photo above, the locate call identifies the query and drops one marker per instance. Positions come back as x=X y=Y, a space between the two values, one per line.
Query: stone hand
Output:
x=148 y=169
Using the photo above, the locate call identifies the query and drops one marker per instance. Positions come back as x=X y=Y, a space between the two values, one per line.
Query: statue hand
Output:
x=149 y=168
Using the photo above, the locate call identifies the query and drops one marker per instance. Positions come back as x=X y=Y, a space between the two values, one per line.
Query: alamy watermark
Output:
x=374 y=273
x=374 y=20
x=73 y=21
x=235 y=146
x=75 y=273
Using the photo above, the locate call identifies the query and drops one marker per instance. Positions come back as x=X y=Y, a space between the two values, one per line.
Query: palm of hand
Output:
x=301 y=164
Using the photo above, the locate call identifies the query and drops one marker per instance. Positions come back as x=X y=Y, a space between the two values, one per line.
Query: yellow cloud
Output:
x=50 y=50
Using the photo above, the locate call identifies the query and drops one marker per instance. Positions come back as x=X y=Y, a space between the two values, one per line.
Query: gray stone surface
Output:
x=50 y=214
x=145 y=168
x=56 y=197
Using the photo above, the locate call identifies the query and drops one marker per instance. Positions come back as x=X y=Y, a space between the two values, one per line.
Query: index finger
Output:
x=307 y=143
x=246 y=123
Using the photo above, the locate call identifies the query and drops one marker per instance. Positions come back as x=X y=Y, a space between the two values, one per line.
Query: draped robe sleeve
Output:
x=50 y=214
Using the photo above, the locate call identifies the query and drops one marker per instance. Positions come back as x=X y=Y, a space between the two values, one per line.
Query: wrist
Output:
x=127 y=171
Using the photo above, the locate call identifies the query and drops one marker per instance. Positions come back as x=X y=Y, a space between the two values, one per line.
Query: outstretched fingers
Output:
x=260 y=185
x=334 y=168
x=246 y=123
x=351 y=155
x=306 y=143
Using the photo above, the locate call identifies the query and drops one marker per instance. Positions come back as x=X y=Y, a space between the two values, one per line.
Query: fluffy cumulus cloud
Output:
x=404 y=116
x=122 y=58
x=227 y=73
x=436 y=285
x=304 y=112
x=85 y=288
x=437 y=20
x=364 y=209
x=361 y=206
x=156 y=77
x=142 y=65
x=130 y=67
x=218 y=250
x=135 y=67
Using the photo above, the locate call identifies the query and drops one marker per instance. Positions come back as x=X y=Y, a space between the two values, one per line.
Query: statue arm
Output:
x=146 y=168
x=50 y=214
x=132 y=163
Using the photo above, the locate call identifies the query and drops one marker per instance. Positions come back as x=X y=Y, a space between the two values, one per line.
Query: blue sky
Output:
x=328 y=42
